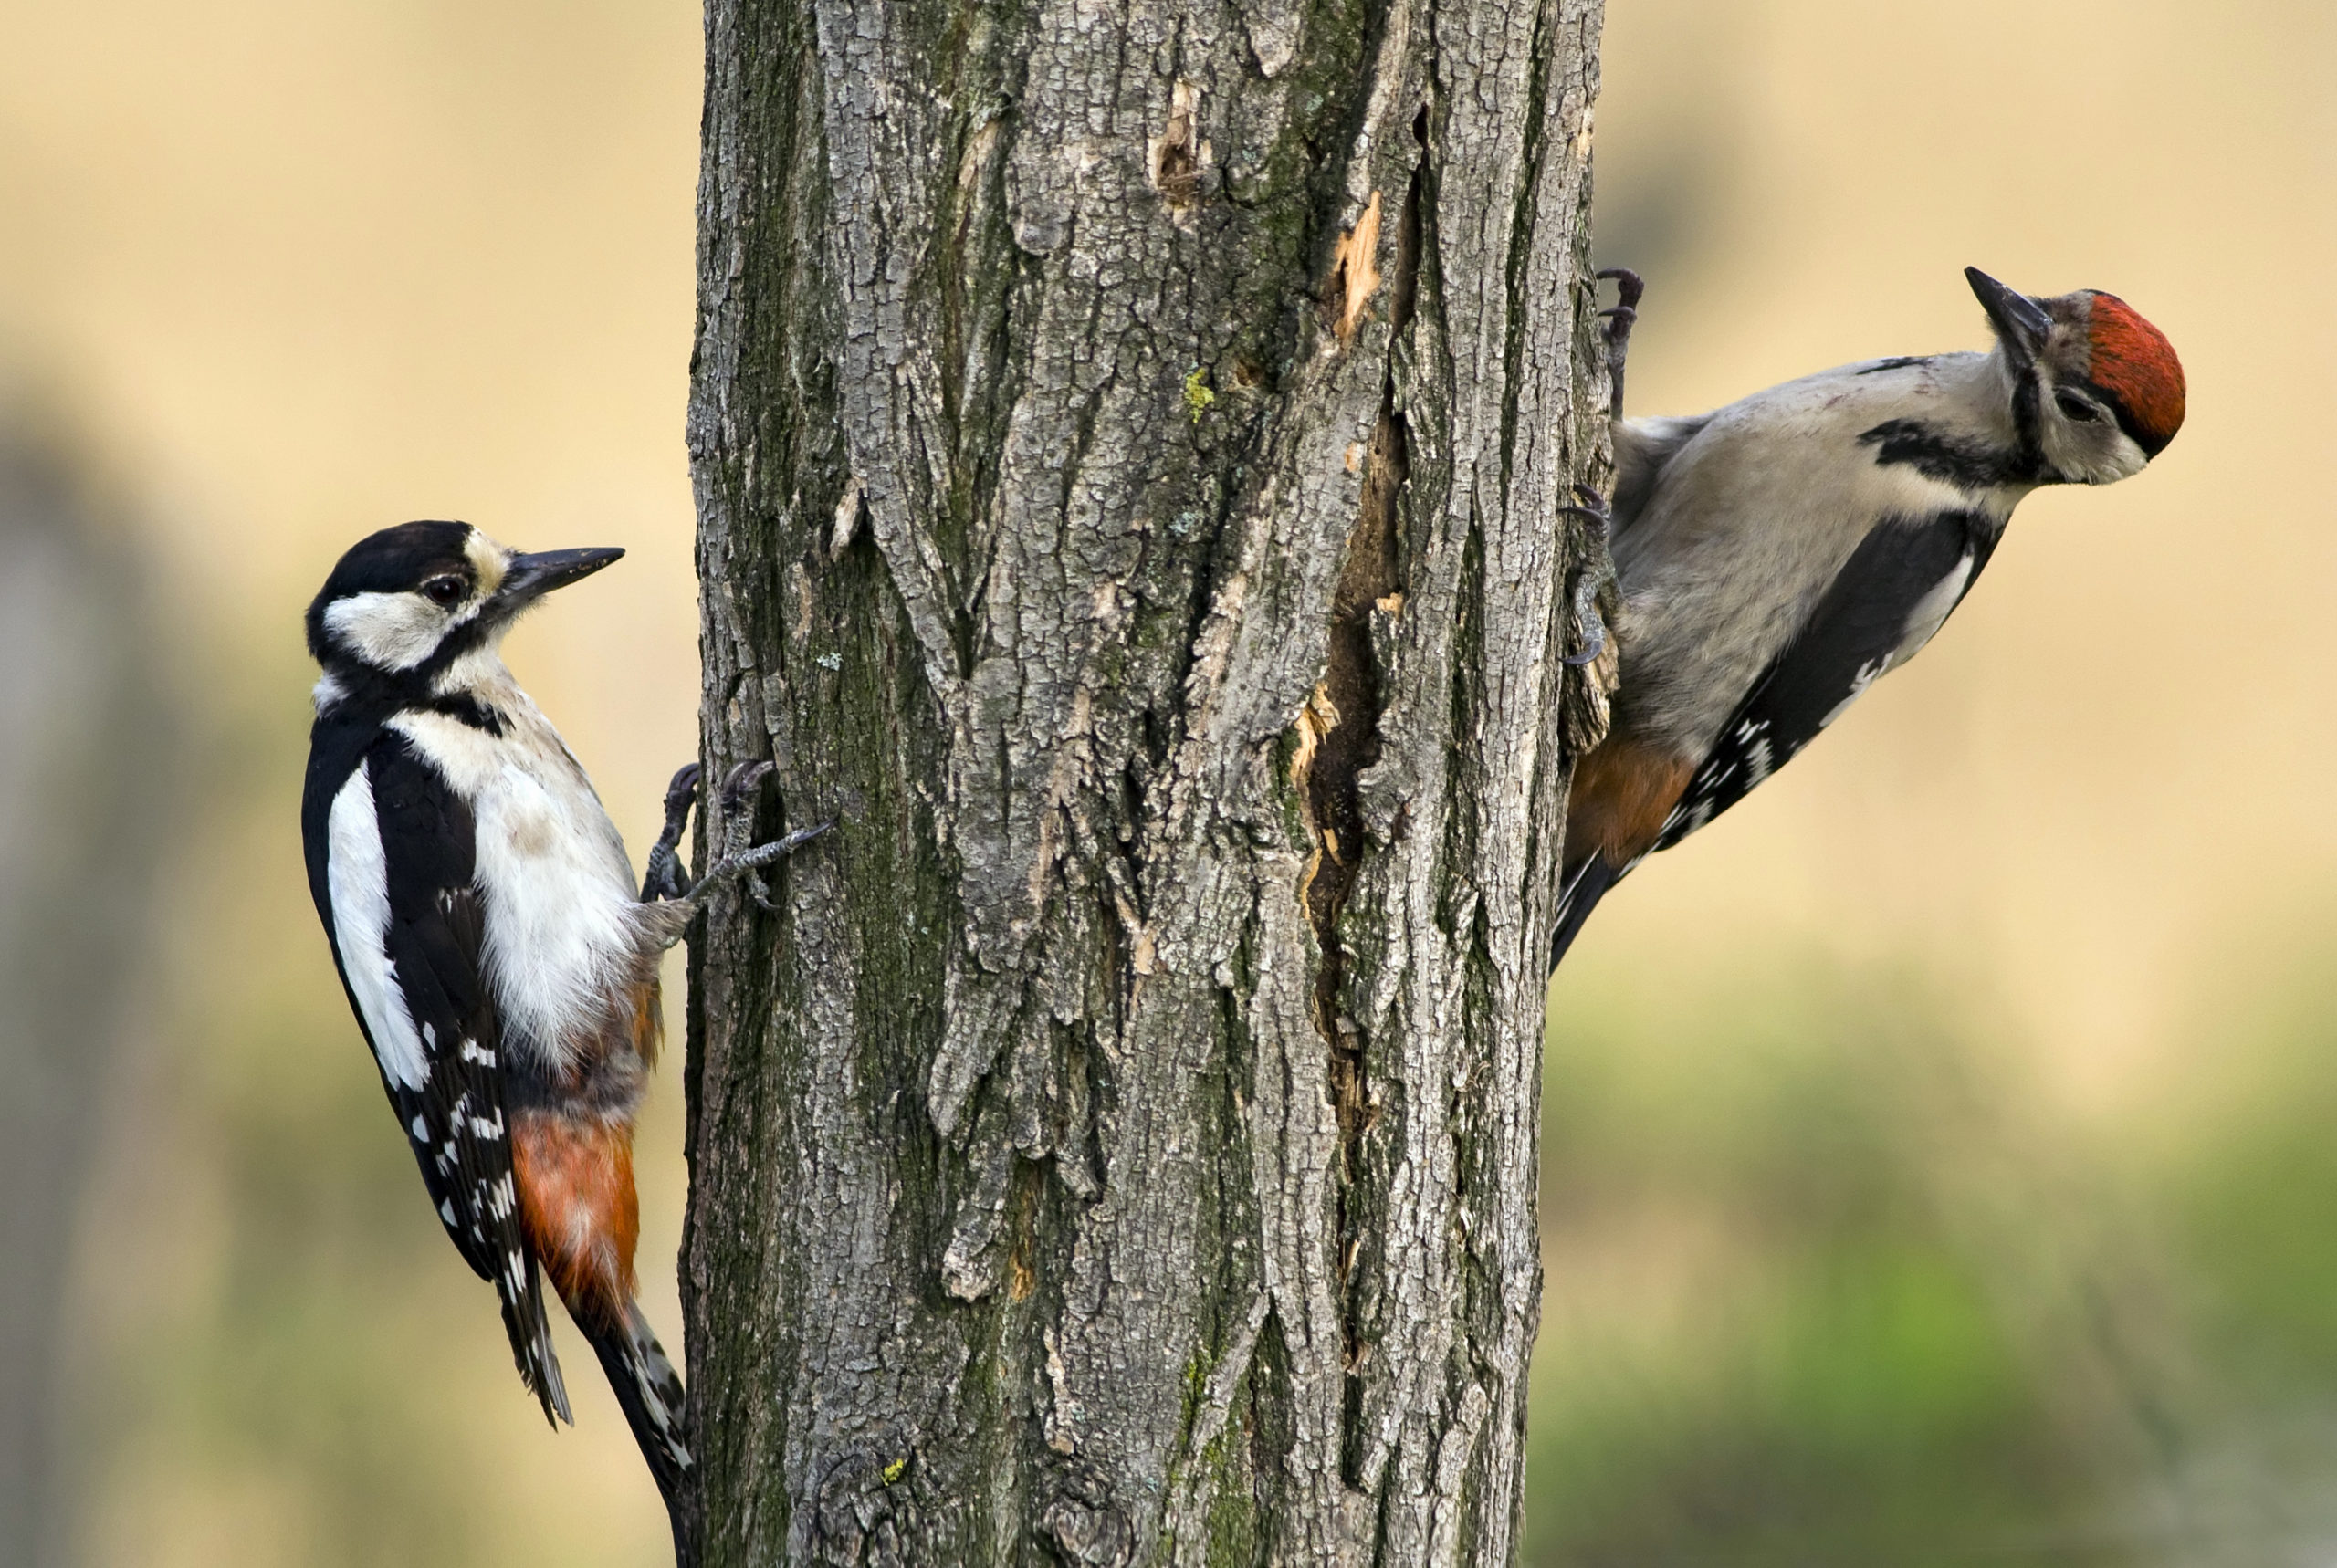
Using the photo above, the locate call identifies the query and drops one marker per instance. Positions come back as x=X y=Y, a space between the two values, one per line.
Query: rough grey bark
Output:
x=1128 y=436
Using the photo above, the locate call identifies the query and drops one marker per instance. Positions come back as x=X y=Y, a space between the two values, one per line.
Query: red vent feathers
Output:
x=2133 y=360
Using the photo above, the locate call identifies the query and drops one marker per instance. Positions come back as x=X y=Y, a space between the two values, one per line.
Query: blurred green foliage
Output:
x=1831 y=1282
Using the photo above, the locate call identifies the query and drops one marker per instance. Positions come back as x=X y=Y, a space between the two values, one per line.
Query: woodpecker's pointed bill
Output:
x=531 y=576
x=2021 y=321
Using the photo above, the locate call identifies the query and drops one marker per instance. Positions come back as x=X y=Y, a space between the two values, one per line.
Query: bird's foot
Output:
x=733 y=821
x=735 y=857
x=1590 y=628
x=664 y=878
x=1620 y=317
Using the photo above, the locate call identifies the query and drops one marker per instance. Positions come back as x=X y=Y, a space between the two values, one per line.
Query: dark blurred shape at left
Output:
x=86 y=767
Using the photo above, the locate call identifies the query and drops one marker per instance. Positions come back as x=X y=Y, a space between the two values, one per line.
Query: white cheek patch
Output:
x=2125 y=460
x=2098 y=453
x=387 y=630
x=357 y=876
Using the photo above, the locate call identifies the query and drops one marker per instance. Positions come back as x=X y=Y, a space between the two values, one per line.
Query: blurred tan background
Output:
x=278 y=274
x=1942 y=1148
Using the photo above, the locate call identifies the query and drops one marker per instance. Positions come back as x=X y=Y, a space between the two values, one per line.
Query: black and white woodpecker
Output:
x=1777 y=557
x=482 y=915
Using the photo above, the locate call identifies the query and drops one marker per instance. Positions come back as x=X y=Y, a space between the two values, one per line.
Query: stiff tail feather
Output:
x=520 y=1289
x=1583 y=892
x=650 y=1393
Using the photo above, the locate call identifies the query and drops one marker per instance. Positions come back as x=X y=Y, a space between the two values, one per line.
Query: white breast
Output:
x=561 y=921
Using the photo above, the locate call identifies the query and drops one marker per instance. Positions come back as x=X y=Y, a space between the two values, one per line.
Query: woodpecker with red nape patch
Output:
x=482 y=915
x=1777 y=557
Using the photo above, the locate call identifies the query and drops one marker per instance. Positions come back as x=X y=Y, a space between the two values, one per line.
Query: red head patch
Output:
x=2135 y=363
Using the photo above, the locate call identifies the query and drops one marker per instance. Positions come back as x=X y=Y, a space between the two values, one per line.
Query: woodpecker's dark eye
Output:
x=2076 y=408
x=445 y=593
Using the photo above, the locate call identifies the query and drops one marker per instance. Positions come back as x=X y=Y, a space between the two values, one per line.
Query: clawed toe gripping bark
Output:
x=1620 y=317
x=1592 y=581
x=663 y=877
x=666 y=880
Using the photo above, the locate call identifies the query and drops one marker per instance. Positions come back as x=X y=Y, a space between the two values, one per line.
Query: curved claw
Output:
x=1589 y=504
x=740 y=782
x=727 y=830
x=1629 y=288
x=734 y=818
x=1587 y=622
x=1629 y=284
x=663 y=877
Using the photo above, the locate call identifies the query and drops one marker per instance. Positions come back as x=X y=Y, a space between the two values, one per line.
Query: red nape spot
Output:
x=578 y=1207
x=2133 y=360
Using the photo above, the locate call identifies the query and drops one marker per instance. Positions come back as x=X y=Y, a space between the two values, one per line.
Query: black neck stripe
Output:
x=2027 y=419
x=1952 y=460
x=379 y=694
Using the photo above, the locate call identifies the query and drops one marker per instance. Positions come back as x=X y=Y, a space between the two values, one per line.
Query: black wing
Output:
x=433 y=937
x=337 y=749
x=1860 y=629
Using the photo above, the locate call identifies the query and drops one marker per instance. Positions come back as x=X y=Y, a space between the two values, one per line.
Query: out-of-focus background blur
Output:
x=1942 y=1148
x=274 y=275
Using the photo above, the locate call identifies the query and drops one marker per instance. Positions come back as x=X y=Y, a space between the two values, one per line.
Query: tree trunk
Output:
x=1129 y=441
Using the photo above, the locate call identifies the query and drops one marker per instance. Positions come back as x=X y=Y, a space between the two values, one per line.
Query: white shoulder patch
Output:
x=388 y=630
x=1931 y=611
x=357 y=876
x=1865 y=675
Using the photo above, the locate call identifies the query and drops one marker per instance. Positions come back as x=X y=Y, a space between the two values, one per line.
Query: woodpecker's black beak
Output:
x=2021 y=323
x=531 y=576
